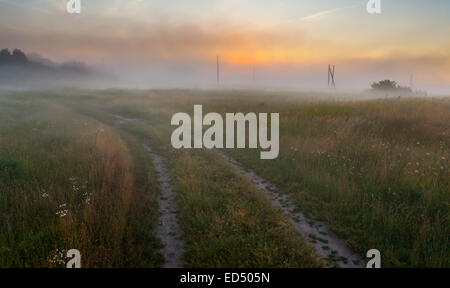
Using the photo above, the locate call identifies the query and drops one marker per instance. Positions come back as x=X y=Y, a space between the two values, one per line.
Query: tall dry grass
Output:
x=75 y=185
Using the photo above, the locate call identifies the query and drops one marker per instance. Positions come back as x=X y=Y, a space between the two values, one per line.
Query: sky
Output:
x=278 y=42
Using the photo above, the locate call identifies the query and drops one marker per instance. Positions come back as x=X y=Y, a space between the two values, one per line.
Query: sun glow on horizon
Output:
x=409 y=36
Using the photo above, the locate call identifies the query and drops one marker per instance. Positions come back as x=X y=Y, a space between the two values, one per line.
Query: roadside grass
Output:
x=377 y=171
x=226 y=222
x=69 y=182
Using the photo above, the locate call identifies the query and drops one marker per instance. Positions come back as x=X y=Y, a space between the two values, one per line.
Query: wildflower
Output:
x=62 y=213
x=87 y=197
x=57 y=257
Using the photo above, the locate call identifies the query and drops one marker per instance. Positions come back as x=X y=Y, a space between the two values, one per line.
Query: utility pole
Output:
x=331 y=83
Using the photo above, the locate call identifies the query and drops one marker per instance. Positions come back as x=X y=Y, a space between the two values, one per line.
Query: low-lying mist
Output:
x=27 y=72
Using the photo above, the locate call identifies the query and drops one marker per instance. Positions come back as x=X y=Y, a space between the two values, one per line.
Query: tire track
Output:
x=327 y=244
x=120 y=120
x=168 y=229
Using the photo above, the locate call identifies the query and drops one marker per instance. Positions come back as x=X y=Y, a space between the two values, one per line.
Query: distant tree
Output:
x=19 y=57
x=4 y=56
x=388 y=85
x=16 y=58
x=385 y=85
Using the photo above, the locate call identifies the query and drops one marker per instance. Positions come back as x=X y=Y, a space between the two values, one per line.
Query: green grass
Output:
x=226 y=222
x=69 y=181
x=376 y=171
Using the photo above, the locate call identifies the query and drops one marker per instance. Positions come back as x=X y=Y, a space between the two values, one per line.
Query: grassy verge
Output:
x=226 y=222
x=70 y=182
x=377 y=172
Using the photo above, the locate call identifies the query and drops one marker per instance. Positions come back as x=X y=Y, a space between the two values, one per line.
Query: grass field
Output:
x=376 y=171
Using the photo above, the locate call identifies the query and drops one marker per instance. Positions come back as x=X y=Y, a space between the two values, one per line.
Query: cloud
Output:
x=325 y=13
x=320 y=14
x=157 y=41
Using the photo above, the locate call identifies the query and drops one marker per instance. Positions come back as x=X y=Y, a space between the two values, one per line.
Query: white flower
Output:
x=62 y=213
x=57 y=257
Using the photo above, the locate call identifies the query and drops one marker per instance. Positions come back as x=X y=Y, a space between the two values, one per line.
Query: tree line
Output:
x=17 y=57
